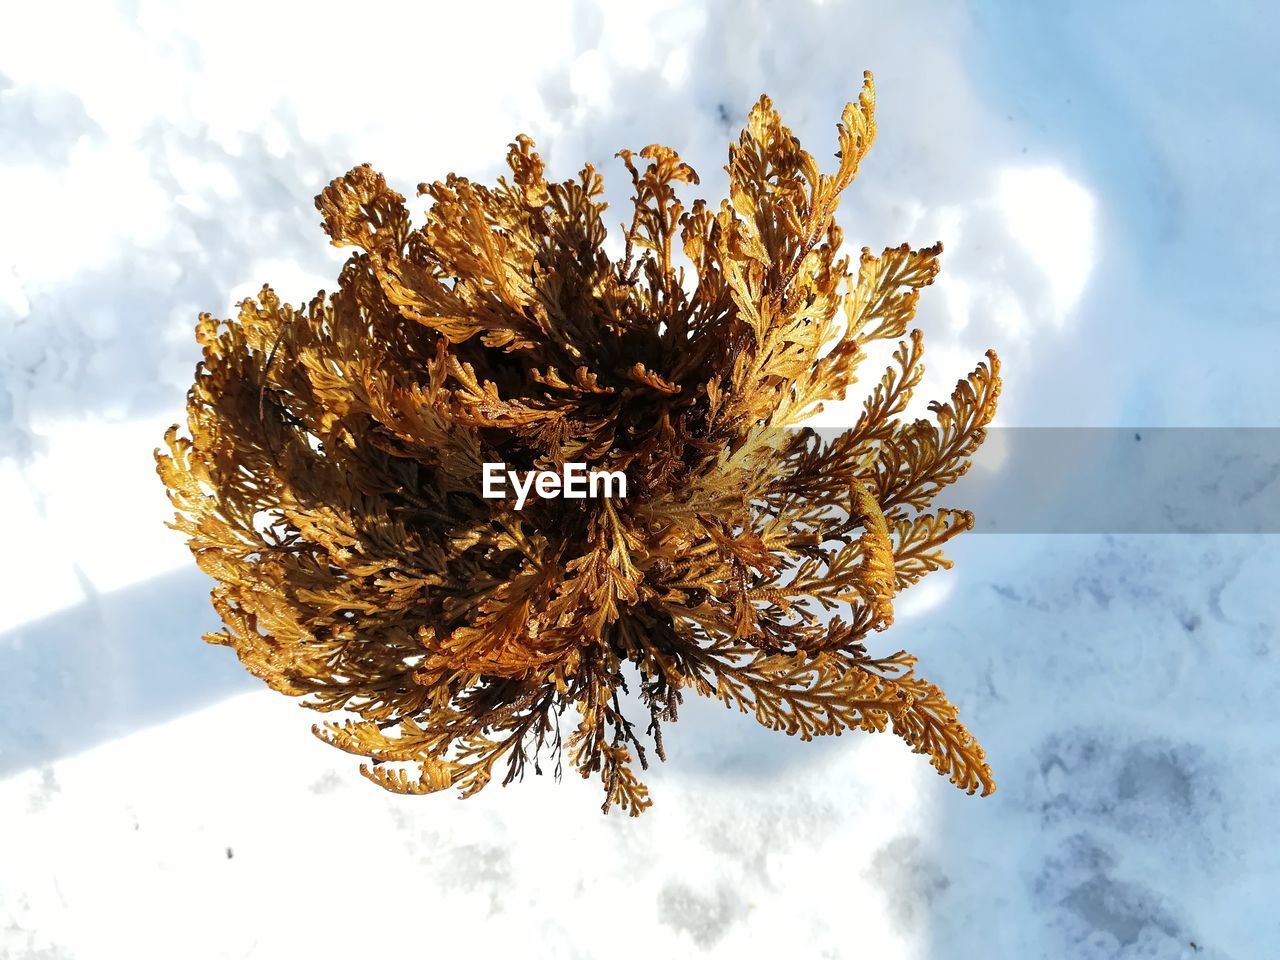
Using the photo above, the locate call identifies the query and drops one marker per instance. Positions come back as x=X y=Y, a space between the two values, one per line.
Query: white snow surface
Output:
x=1103 y=177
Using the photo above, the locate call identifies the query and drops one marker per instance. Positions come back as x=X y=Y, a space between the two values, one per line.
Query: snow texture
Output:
x=1102 y=175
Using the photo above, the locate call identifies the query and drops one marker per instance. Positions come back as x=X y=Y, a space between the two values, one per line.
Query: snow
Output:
x=1102 y=177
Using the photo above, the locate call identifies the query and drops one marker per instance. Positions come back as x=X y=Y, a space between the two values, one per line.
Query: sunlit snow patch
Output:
x=1052 y=217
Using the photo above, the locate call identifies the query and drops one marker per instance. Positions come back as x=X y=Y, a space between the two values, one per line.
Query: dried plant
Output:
x=331 y=481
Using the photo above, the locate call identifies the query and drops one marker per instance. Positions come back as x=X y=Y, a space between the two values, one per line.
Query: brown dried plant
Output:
x=331 y=481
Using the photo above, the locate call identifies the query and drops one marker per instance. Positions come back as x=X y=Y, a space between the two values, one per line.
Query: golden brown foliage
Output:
x=331 y=481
